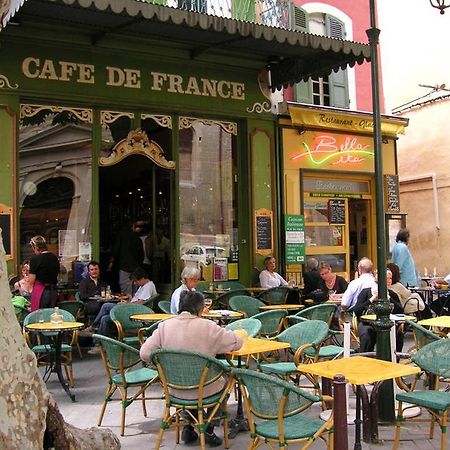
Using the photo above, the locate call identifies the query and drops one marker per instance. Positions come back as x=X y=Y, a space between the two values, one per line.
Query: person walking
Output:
x=404 y=260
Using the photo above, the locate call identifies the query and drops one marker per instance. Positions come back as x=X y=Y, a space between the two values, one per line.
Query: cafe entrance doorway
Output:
x=137 y=189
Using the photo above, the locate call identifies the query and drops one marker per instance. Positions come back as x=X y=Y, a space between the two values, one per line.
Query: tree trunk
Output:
x=27 y=410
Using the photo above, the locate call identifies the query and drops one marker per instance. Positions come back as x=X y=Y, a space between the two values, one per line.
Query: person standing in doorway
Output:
x=404 y=260
x=44 y=270
x=128 y=253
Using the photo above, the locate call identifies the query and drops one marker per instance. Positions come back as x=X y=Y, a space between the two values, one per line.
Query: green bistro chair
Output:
x=324 y=312
x=127 y=329
x=223 y=300
x=280 y=409
x=188 y=374
x=272 y=321
x=274 y=296
x=251 y=325
x=146 y=332
x=164 y=306
x=42 y=350
x=75 y=307
x=433 y=358
x=149 y=302
x=246 y=304
x=118 y=359
x=422 y=336
x=305 y=340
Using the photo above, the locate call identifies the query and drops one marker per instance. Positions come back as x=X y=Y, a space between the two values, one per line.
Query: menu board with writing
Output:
x=336 y=212
x=263 y=231
x=391 y=194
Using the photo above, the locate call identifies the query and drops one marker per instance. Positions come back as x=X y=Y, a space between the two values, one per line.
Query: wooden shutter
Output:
x=298 y=18
x=338 y=81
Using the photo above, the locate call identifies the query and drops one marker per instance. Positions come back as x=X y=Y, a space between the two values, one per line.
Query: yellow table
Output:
x=359 y=371
x=59 y=329
x=154 y=317
x=288 y=306
x=252 y=346
x=218 y=314
x=441 y=321
x=393 y=317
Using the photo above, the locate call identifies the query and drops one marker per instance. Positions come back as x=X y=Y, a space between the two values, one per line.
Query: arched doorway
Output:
x=135 y=184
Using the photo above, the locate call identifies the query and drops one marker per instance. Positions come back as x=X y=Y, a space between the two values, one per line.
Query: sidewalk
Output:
x=141 y=432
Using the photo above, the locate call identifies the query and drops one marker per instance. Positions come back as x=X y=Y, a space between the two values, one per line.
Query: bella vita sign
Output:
x=66 y=71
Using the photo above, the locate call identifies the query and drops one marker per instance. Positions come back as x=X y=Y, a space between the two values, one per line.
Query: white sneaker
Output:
x=94 y=350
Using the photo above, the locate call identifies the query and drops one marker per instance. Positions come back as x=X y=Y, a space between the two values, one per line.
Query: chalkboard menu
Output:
x=336 y=212
x=263 y=231
x=391 y=194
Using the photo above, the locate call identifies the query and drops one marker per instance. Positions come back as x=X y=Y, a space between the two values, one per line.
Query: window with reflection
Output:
x=208 y=225
x=55 y=147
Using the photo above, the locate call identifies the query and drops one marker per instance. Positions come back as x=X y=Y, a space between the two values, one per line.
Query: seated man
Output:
x=91 y=286
x=366 y=331
x=103 y=323
x=188 y=331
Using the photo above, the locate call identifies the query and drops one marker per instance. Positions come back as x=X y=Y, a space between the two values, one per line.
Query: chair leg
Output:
x=109 y=392
x=164 y=422
x=79 y=351
x=201 y=429
x=397 y=426
x=144 y=407
x=444 y=421
x=225 y=425
x=253 y=443
x=177 y=428
x=124 y=409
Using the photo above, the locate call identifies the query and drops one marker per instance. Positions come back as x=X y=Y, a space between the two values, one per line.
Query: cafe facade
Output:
x=138 y=111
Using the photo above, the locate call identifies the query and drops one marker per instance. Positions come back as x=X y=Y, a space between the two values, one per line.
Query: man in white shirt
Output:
x=365 y=280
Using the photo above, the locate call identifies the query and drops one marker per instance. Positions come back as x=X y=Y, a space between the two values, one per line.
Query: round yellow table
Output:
x=288 y=306
x=154 y=317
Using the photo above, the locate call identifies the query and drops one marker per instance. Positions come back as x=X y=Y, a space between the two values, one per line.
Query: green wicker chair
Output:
x=118 y=359
x=189 y=373
x=434 y=358
x=246 y=304
x=150 y=301
x=233 y=285
x=324 y=312
x=274 y=296
x=280 y=409
x=251 y=325
x=75 y=307
x=224 y=300
x=272 y=321
x=422 y=336
x=305 y=340
x=43 y=350
x=126 y=328
x=164 y=306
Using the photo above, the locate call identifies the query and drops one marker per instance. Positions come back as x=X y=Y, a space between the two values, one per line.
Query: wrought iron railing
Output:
x=272 y=13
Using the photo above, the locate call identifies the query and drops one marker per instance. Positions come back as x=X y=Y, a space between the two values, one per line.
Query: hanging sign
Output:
x=263 y=231
x=295 y=239
x=336 y=212
x=391 y=194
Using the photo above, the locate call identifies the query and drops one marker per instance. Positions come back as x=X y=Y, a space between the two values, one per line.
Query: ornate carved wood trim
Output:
x=107 y=117
x=188 y=122
x=27 y=110
x=164 y=121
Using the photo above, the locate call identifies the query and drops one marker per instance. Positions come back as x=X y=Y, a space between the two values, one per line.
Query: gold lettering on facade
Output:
x=129 y=78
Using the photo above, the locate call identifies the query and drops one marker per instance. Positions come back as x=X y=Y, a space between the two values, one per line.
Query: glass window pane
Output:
x=55 y=163
x=336 y=261
x=207 y=196
x=323 y=236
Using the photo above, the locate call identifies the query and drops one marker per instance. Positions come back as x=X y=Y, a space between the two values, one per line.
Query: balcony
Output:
x=272 y=13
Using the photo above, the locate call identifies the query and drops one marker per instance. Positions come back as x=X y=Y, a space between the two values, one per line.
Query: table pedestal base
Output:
x=351 y=415
x=237 y=425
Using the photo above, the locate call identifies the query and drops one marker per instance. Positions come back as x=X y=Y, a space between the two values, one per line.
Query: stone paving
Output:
x=140 y=431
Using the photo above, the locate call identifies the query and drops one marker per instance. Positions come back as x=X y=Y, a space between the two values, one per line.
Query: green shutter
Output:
x=303 y=91
x=298 y=18
x=339 y=97
x=244 y=10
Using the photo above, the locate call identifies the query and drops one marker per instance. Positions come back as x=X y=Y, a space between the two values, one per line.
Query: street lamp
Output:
x=440 y=4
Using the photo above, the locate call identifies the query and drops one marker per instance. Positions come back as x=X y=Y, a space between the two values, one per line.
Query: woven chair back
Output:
x=122 y=314
x=434 y=358
x=251 y=325
x=271 y=321
x=309 y=332
x=245 y=303
x=275 y=296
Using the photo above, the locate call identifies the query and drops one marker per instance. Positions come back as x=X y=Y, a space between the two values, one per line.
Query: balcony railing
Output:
x=272 y=13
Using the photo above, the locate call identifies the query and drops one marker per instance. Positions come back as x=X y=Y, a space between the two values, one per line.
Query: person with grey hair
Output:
x=311 y=277
x=190 y=276
x=268 y=278
x=44 y=270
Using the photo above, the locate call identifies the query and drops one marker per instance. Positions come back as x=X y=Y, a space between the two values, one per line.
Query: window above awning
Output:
x=291 y=55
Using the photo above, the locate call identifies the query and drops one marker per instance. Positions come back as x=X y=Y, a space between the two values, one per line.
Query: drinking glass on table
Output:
x=331 y=294
x=207 y=302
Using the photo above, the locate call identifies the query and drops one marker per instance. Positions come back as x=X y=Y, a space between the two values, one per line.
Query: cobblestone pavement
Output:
x=140 y=431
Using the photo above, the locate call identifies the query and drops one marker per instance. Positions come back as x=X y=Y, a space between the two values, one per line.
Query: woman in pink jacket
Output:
x=188 y=331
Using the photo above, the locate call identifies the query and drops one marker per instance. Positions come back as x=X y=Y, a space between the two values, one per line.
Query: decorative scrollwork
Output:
x=259 y=108
x=107 y=117
x=164 y=121
x=4 y=82
x=27 y=110
x=137 y=143
x=188 y=122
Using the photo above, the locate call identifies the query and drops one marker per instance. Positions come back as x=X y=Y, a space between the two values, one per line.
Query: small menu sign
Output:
x=391 y=194
x=263 y=231
x=336 y=212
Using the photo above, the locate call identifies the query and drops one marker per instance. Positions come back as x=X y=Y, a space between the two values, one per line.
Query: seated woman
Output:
x=190 y=277
x=366 y=298
x=24 y=286
x=268 y=278
x=331 y=282
x=188 y=331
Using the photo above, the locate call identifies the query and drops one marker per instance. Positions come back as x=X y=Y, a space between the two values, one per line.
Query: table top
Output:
x=99 y=298
x=255 y=345
x=153 y=317
x=393 y=317
x=285 y=306
x=48 y=326
x=442 y=321
x=222 y=314
x=359 y=369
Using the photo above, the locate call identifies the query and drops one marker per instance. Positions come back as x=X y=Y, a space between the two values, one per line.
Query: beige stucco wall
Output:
x=425 y=149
